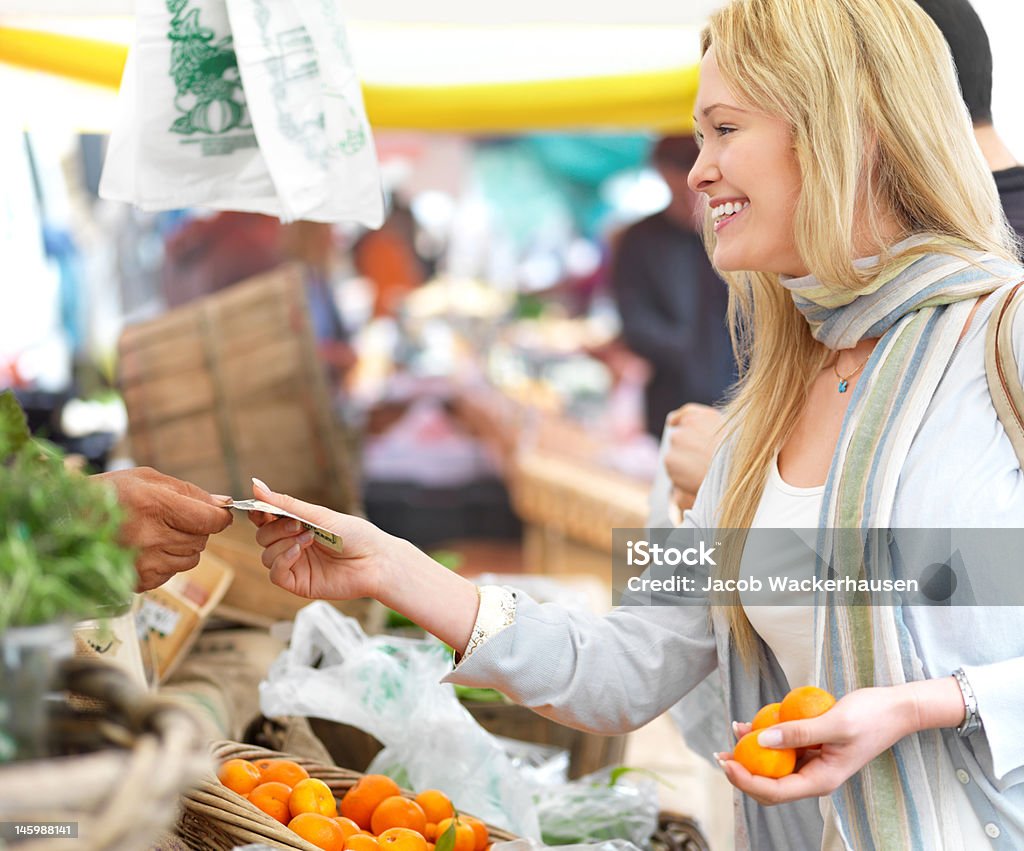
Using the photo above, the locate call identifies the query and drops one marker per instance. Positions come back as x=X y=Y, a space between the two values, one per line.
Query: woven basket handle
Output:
x=1003 y=371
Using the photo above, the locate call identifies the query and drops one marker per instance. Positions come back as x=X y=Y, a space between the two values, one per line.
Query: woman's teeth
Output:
x=729 y=208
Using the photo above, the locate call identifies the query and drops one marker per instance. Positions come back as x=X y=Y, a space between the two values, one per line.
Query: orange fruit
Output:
x=362 y=842
x=479 y=830
x=436 y=805
x=348 y=827
x=805 y=702
x=282 y=771
x=359 y=802
x=313 y=796
x=397 y=811
x=402 y=839
x=465 y=838
x=767 y=716
x=320 y=830
x=272 y=798
x=239 y=775
x=766 y=762
x=263 y=764
x=430 y=832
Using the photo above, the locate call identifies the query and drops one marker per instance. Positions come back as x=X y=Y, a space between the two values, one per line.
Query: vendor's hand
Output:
x=316 y=571
x=696 y=435
x=862 y=725
x=167 y=520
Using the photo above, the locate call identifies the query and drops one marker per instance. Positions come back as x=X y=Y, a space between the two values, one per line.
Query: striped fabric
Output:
x=918 y=309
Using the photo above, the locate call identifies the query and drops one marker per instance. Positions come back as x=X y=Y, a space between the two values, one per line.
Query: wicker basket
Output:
x=677 y=832
x=128 y=756
x=217 y=819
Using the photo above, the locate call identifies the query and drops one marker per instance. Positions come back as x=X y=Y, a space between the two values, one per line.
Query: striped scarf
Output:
x=918 y=309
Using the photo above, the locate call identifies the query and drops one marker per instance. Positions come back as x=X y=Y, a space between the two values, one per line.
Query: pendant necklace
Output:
x=844 y=380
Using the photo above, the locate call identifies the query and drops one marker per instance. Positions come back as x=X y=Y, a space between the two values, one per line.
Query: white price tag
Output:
x=153 y=616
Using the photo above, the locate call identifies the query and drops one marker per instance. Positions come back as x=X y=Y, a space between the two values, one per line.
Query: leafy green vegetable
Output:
x=14 y=433
x=449 y=558
x=59 y=550
x=472 y=694
x=619 y=771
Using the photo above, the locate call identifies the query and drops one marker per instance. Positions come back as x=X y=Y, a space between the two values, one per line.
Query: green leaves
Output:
x=59 y=550
x=620 y=771
x=14 y=433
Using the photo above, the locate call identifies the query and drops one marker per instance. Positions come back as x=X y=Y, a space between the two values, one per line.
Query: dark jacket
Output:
x=1010 y=183
x=673 y=307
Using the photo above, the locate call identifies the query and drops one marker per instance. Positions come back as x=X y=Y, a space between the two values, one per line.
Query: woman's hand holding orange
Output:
x=862 y=725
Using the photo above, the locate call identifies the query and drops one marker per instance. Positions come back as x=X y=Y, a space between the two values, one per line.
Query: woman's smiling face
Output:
x=748 y=169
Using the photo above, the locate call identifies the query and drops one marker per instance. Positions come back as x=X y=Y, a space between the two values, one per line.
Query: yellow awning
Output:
x=655 y=100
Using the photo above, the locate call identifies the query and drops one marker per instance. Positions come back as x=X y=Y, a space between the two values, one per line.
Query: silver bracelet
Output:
x=972 y=721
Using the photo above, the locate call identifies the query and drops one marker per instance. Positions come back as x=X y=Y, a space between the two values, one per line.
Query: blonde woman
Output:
x=860 y=232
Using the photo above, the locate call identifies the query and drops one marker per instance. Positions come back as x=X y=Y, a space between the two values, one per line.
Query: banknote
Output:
x=324 y=536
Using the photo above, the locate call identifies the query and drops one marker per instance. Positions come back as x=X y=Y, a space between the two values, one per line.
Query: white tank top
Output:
x=785 y=628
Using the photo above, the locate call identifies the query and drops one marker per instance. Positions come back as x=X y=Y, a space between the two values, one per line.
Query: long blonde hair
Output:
x=878 y=126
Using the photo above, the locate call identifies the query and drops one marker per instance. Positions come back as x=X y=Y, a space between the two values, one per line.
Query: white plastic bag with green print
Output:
x=390 y=687
x=306 y=106
x=186 y=133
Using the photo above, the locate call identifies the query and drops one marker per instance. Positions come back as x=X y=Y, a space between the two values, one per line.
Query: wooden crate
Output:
x=230 y=387
x=577 y=499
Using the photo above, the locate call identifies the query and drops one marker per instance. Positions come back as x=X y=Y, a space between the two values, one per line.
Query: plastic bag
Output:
x=258 y=110
x=613 y=803
x=530 y=845
x=390 y=687
x=540 y=765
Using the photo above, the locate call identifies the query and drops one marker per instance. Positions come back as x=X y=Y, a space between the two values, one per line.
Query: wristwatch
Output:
x=972 y=721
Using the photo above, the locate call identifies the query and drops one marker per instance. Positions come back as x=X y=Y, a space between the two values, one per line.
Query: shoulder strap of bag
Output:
x=1003 y=372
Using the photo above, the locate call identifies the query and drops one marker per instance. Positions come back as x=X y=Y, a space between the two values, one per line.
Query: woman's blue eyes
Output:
x=723 y=131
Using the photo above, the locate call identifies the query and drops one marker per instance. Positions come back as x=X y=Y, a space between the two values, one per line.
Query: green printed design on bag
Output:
x=294 y=60
x=210 y=98
x=355 y=138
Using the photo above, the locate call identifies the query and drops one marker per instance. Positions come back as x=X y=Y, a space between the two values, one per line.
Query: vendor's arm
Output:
x=167 y=520
x=608 y=674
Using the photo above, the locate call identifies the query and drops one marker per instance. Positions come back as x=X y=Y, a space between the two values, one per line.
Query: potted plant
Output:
x=60 y=561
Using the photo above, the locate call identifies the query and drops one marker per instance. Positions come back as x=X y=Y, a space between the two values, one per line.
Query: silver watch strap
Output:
x=972 y=720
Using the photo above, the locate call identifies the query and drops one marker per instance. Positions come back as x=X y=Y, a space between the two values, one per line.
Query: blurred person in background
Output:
x=207 y=254
x=672 y=302
x=311 y=244
x=972 y=55
x=694 y=430
x=388 y=257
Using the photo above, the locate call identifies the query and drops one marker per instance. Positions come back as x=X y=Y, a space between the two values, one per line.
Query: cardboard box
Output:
x=169 y=618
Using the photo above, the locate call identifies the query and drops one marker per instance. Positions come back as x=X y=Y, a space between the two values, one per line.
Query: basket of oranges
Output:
x=291 y=802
